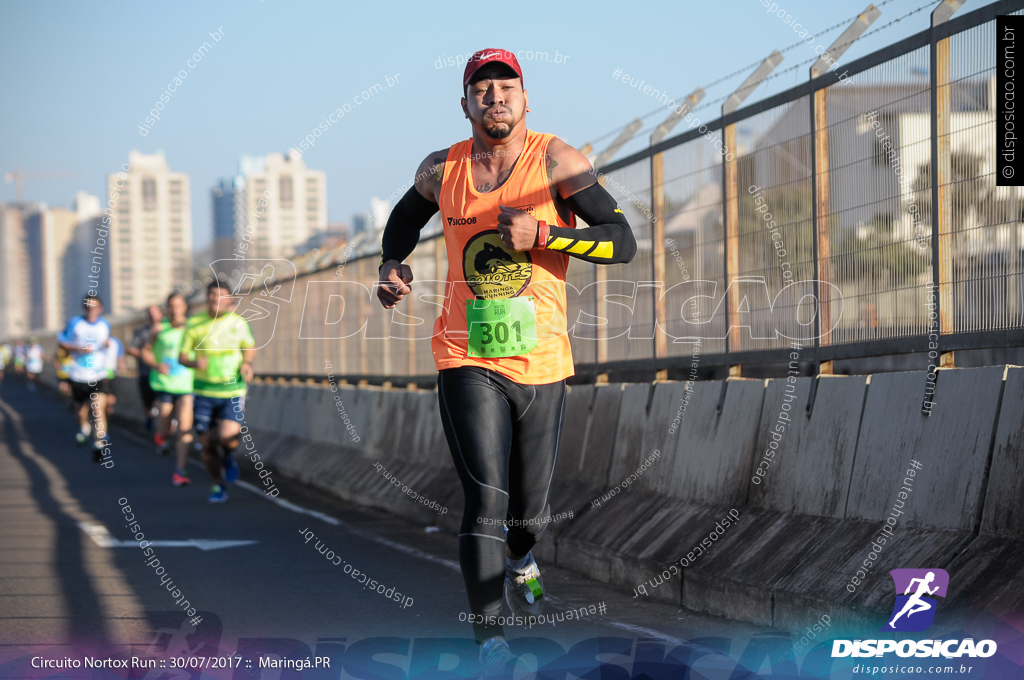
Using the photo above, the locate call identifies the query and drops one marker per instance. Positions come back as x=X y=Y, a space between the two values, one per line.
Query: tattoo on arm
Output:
x=552 y=164
x=438 y=171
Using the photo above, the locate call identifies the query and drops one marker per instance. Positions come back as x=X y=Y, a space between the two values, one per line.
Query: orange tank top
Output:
x=480 y=267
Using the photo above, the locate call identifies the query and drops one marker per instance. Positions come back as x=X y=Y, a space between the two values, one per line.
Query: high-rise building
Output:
x=274 y=205
x=47 y=260
x=228 y=216
x=15 y=279
x=49 y=233
x=373 y=221
x=150 y=242
x=84 y=252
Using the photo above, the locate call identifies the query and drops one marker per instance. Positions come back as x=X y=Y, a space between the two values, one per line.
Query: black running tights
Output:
x=503 y=438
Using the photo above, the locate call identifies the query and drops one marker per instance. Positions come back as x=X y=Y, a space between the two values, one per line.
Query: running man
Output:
x=34 y=356
x=61 y=366
x=5 y=358
x=142 y=335
x=218 y=343
x=915 y=604
x=115 y=364
x=171 y=384
x=508 y=198
x=19 y=357
x=85 y=338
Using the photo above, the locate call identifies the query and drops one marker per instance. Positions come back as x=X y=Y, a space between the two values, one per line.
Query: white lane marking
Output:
x=286 y=504
x=408 y=550
x=454 y=566
x=420 y=554
x=101 y=537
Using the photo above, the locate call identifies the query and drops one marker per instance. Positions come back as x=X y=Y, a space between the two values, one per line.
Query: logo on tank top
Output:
x=493 y=272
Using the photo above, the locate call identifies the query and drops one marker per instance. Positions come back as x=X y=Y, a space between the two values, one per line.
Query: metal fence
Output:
x=845 y=170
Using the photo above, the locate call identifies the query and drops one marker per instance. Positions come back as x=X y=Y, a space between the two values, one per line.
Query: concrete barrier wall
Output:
x=805 y=529
x=806 y=461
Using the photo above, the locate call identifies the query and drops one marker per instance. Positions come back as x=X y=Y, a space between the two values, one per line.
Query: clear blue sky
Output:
x=79 y=76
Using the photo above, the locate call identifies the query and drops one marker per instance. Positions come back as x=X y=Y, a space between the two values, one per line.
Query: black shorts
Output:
x=167 y=397
x=82 y=392
x=146 y=391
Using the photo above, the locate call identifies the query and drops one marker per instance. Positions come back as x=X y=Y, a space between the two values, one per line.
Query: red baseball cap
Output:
x=490 y=56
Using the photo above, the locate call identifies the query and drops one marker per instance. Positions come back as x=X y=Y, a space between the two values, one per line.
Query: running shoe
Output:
x=81 y=438
x=496 y=658
x=159 y=439
x=524 y=589
x=180 y=478
x=230 y=468
x=217 y=494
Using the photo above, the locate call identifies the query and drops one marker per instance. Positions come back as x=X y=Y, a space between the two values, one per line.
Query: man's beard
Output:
x=500 y=129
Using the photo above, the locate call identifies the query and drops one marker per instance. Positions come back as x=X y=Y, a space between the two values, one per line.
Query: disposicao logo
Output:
x=914 y=612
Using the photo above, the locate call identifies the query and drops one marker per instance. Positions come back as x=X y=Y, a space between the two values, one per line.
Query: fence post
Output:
x=658 y=252
x=730 y=199
x=600 y=278
x=410 y=312
x=363 y=313
x=821 y=234
x=730 y=206
x=821 y=210
x=658 y=208
x=942 y=175
x=325 y=344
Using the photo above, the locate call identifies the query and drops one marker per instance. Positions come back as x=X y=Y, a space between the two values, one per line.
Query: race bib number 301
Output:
x=501 y=328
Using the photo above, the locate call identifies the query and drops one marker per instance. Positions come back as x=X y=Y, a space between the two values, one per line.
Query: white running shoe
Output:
x=524 y=589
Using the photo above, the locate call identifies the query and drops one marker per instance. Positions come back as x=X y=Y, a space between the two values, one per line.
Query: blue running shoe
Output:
x=230 y=468
x=497 y=659
x=217 y=494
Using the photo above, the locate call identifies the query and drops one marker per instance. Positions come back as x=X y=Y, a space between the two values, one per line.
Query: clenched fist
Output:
x=518 y=228
x=395 y=278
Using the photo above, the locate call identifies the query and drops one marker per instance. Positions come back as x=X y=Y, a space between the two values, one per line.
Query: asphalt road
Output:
x=72 y=577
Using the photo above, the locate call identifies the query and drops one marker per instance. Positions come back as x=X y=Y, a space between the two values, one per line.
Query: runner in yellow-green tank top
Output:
x=172 y=385
x=222 y=349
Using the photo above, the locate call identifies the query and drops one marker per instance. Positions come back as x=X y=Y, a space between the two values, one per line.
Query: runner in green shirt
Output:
x=224 y=350
x=171 y=383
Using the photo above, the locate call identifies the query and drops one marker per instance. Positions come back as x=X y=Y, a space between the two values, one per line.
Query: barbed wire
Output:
x=872 y=32
x=746 y=68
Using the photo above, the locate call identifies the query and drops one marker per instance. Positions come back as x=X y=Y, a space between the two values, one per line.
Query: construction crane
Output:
x=18 y=177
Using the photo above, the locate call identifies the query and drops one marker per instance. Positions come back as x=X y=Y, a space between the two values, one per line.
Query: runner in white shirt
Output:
x=86 y=339
x=5 y=358
x=33 y=363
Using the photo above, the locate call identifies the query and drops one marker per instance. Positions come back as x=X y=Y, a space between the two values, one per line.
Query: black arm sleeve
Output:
x=402 y=232
x=609 y=239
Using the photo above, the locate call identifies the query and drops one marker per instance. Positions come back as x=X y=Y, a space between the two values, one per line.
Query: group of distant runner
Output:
x=192 y=377
x=26 y=359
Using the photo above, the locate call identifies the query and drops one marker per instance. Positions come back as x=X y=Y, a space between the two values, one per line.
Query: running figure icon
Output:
x=915 y=604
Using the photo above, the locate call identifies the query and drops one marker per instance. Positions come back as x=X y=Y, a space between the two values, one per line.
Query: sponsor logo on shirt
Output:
x=493 y=272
